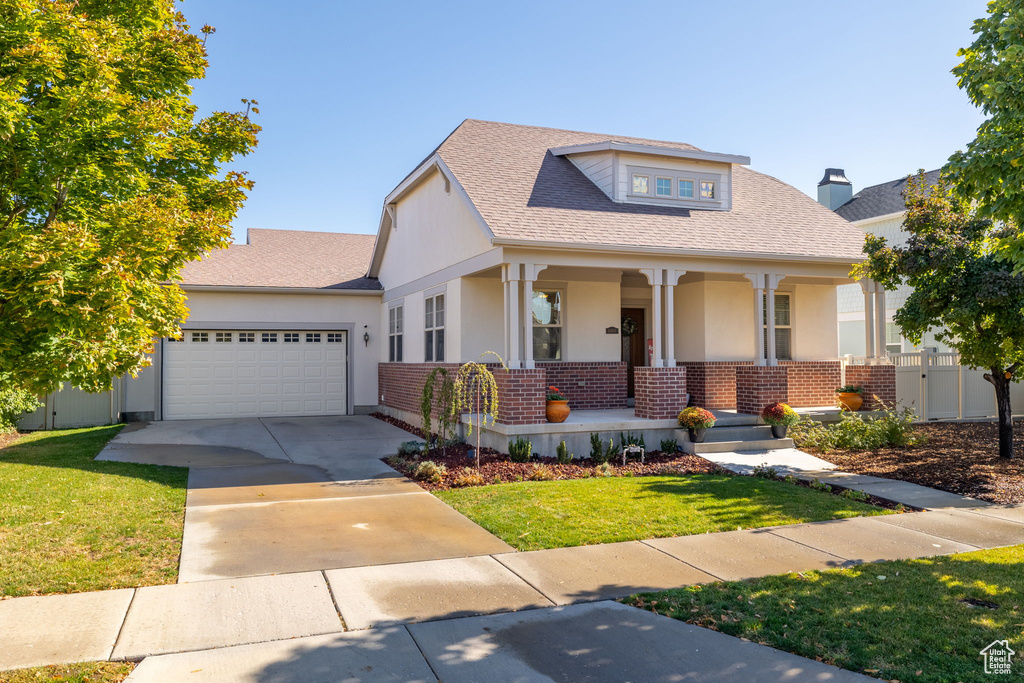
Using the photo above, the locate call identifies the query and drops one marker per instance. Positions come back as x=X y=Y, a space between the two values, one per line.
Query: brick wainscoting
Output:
x=876 y=380
x=659 y=392
x=604 y=384
x=712 y=383
x=522 y=396
x=401 y=384
x=759 y=385
x=812 y=384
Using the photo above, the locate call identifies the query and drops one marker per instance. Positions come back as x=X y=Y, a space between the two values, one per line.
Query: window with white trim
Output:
x=335 y=337
x=247 y=337
x=179 y=338
x=783 y=327
x=707 y=189
x=291 y=337
x=548 y=319
x=685 y=188
x=312 y=337
x=223 y=336
x=671 y=185
x=433 y=325
x=663 y=187
x=641 y=184
x=395 y=334
x=268 y=337
x=200 y=337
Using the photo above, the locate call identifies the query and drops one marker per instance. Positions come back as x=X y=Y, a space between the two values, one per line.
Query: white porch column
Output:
x=758 y=280
x=880 y=336
x=772 y=282
x=510 y=277
x=671 y=280
x=655 y=276
x=530 y=272
x=869 y=317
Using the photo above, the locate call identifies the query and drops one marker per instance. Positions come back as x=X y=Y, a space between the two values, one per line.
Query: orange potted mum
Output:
x=557 y=407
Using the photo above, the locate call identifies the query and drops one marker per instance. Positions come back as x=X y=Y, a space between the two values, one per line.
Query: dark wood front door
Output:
x=634 y=347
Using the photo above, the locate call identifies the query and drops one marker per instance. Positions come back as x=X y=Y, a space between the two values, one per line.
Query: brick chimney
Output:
x=834 y=189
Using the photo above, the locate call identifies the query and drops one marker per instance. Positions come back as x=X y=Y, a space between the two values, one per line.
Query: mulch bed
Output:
x=495 y=467
x=959 y=457
x=7 y=438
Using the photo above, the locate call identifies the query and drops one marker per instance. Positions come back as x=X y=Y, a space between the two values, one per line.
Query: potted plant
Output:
x=780 y=416
x=849 y=397
x=696 y=421
x=557 y=408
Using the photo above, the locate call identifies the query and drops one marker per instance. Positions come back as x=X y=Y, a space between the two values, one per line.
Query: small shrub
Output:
x=14 y=403
x=469 y=477
x=613 y=450
x=779 y=414
x=900 y=508
x=893 y=428
x=520 y=450
x=765 y=471
x=790 y=479
x=849 y=389
x=597 y=453
x=821 y=486
x=429 y=471
x=397 y=461
x=413 y=448
x=604 y=470
x=562 y=454
x=854 y=494
x=497 y=479
x=696 y=418
x=541 y=473
x=631 y=439
x=669 y=446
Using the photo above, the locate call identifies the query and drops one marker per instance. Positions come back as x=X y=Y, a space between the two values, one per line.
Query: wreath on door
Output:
x=629 y=326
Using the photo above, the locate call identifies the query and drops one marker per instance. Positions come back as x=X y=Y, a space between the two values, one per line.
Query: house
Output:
x=878 y=210
x=630 y=273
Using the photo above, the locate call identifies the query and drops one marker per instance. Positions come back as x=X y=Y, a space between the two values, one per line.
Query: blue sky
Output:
x=354 y=94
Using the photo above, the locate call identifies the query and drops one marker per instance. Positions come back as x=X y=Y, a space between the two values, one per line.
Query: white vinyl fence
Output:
x=937 y=387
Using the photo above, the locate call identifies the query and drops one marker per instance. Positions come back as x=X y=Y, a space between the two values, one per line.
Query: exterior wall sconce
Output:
x=366 y=335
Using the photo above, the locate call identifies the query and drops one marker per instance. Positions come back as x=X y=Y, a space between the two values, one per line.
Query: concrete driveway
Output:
x=271 y=496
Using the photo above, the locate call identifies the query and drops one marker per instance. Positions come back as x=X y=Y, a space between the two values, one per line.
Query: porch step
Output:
x=729 y=439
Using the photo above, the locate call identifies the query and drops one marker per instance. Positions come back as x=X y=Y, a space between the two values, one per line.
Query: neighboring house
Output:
x=879 y=210
x=540 y=245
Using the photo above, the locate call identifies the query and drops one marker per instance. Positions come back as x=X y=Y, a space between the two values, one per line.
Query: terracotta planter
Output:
x=779 y=431
x=850 y=400
x=557 y=411
x=696 y=435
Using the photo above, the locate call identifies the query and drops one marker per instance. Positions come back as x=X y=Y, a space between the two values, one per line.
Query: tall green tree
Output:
x=109 y=184
x=990 y=171
x=962 y=289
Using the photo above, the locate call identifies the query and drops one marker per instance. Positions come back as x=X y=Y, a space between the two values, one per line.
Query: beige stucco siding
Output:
x=815 y=331
x=481 y=325
x=433 y=229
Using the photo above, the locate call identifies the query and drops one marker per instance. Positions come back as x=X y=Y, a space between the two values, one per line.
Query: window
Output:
x=179 y=338
x=641 y=184
x=200 y=337
x=783 y=327
x=685 y=189
x=547 y=325
x=663 y=187
x=312 y=337
x=433 y=324
x=395 y=334
x=247 y=337
x=269 y=337
x=223 y=336
x=893 y=340
x=335 y=337
x=707 y=189
x=651 y=184
x=291 y=337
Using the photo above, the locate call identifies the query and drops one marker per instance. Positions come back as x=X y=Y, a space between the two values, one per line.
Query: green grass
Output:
x=556 y=514
x=88 y=672
x=70 y=524
x=911 y=621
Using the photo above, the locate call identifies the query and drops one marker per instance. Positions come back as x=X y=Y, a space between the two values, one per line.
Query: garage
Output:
x=255 y=373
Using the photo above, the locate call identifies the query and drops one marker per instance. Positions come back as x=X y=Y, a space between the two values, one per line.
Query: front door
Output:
x=634 y=348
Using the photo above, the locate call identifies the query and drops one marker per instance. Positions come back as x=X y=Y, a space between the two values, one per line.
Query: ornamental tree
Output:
x=990 y=171
x=109 y=184
x=961 y=288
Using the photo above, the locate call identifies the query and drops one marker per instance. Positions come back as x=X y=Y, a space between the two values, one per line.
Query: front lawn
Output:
x=533 y=515
x=913 y=620
x=88 y=672
x=70 y=524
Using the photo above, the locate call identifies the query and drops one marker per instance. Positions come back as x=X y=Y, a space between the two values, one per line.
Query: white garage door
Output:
x=242 y=373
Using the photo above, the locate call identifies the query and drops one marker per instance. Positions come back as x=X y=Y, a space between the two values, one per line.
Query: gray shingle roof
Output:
x=288 y=258
x=525 y=193
x=880 y=200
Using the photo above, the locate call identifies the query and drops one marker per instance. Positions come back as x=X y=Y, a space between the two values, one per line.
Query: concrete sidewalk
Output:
x=130 y=624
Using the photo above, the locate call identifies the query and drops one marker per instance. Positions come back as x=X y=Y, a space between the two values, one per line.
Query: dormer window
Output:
x=707 y=189
x=694 y=188
x=663 y=187
x=685 y=189
x=641 y=184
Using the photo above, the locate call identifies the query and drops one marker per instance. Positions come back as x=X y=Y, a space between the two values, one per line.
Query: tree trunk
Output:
x=1000 y=381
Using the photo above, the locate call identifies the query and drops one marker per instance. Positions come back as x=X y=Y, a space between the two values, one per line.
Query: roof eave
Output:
x=611 y=145
x=280 y=290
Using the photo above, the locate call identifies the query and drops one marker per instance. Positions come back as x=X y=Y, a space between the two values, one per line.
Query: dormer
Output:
x=659 y=175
